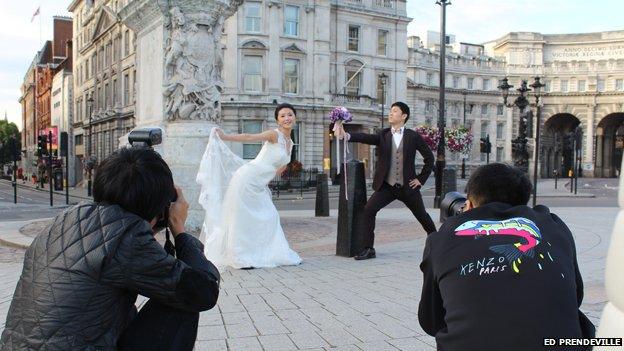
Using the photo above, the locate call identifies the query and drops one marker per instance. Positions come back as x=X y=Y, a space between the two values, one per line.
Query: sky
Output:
x=473 y=21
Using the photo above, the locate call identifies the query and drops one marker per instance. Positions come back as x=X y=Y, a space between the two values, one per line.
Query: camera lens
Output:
x=451 y=205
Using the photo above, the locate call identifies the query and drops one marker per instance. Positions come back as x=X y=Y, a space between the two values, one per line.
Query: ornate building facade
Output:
x=28 y=100
x=584 y=77
x=472 y=99
x=104 y=78
x=314 y=56
x=61 y=113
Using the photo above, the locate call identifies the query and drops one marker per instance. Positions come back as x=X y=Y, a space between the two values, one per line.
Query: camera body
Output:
x=148 y=138
x=452 y=204
x=145 y=137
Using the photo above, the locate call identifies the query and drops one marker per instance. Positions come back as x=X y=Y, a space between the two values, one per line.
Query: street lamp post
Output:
x=537 y=90
x=463 y=170
x=382 y=78
x=519 y=144
x=440 y=159
x=89 y=161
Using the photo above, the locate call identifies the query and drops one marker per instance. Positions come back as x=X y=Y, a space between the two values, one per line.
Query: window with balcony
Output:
x=291 y=76
x=429 y=79
x=581 y=85
x=600 y=85
x=619 y=84
x=471 y=83
x=291 y=20
x=353 y=77
x=455 y=82
x=354 y=38
x=484 y=109
x=251 y=150
x=252 y=17
x=252 y=73
x=499 y=109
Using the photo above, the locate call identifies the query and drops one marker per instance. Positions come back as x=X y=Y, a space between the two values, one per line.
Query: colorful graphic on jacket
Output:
x=525 y=230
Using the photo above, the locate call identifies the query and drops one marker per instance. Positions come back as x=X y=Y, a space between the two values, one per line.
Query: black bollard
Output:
x=321 y=209
x=349 y=240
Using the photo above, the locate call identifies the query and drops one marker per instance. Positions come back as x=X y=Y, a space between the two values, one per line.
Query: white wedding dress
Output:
x=242 y=226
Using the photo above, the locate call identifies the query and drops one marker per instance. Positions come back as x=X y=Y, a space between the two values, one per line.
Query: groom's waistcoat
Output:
x=395 y=174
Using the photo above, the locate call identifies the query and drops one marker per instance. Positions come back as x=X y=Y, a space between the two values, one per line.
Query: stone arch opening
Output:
x=609 y=142
x=557 y=145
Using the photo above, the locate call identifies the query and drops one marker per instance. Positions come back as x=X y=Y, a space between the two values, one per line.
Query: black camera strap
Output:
x=169 y=247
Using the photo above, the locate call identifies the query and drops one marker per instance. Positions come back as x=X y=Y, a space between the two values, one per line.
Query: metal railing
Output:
x=348 y=99
x=294 y=181
x=386 y=4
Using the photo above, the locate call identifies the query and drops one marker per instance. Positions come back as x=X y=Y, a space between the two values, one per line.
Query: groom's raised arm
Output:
x=370 y=139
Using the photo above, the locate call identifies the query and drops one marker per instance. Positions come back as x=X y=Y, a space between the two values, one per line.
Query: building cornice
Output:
x=467 y=92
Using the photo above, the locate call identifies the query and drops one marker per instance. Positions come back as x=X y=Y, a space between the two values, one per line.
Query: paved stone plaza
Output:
x=337 y=303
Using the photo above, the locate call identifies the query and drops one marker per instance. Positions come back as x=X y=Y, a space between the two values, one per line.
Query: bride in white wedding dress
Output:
x=242 y=227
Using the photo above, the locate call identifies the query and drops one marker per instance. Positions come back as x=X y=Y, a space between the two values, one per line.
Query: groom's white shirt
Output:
x=397 y=137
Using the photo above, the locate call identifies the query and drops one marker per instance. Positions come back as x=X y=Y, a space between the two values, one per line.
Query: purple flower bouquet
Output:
x=340 y=115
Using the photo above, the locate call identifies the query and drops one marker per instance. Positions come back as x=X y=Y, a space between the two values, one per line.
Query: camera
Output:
x=451 y=205
x=145 y=137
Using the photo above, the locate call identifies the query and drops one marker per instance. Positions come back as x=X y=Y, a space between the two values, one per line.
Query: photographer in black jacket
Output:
x=82 y=274
x=501 y=275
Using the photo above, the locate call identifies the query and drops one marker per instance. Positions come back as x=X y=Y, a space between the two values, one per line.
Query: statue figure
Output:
x=193 y=64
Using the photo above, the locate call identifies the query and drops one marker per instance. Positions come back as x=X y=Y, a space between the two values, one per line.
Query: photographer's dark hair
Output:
x=137 y=179
x=404 y=108
x=498 y=182
x=282 y=106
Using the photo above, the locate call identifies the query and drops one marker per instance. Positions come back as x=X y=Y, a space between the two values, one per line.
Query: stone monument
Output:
x=178 y=62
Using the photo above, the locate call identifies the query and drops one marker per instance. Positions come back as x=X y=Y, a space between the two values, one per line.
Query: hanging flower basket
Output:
x=459 y=140
x=431 y=136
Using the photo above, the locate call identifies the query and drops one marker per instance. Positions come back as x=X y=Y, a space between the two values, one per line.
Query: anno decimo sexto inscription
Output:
x=585 y=53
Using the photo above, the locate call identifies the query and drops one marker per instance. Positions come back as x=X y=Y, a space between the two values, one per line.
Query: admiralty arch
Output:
x=584 y=78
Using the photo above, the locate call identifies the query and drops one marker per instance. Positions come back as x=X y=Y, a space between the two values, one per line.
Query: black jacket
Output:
x=412 y=142
x=81 y=278
x=499 y=277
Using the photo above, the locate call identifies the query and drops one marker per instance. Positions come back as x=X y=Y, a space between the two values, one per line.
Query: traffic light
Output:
x=42 y=145
x=485 y=147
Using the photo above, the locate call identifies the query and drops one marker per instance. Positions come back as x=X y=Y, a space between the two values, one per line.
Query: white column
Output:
x=588 y=155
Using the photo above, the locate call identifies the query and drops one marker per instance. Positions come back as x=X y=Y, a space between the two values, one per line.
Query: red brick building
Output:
x=51 y=56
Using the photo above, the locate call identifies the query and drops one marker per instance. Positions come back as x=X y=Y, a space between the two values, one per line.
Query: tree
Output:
x=7 y=131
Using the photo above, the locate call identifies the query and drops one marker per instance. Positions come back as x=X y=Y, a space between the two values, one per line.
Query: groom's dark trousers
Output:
x=385 y=193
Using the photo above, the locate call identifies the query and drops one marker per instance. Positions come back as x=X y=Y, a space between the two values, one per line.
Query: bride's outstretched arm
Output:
x=269 y=135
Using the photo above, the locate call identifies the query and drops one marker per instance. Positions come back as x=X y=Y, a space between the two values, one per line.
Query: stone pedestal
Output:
x=178 y=62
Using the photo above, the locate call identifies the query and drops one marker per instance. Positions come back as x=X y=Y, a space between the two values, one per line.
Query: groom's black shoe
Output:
x=367 y=253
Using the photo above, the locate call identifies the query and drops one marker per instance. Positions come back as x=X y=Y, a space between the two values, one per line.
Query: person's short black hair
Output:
x=498 y=182
x=137 y=179
x=404 y=108
x=284 y=105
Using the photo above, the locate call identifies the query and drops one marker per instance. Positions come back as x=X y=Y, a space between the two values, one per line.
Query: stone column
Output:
x=588 y=155
x=178 y=63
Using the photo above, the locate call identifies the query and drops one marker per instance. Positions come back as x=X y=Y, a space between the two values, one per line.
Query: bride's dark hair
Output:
x=282 y=106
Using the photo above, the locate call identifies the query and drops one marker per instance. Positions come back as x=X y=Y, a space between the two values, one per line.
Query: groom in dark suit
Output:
x=395 y=176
